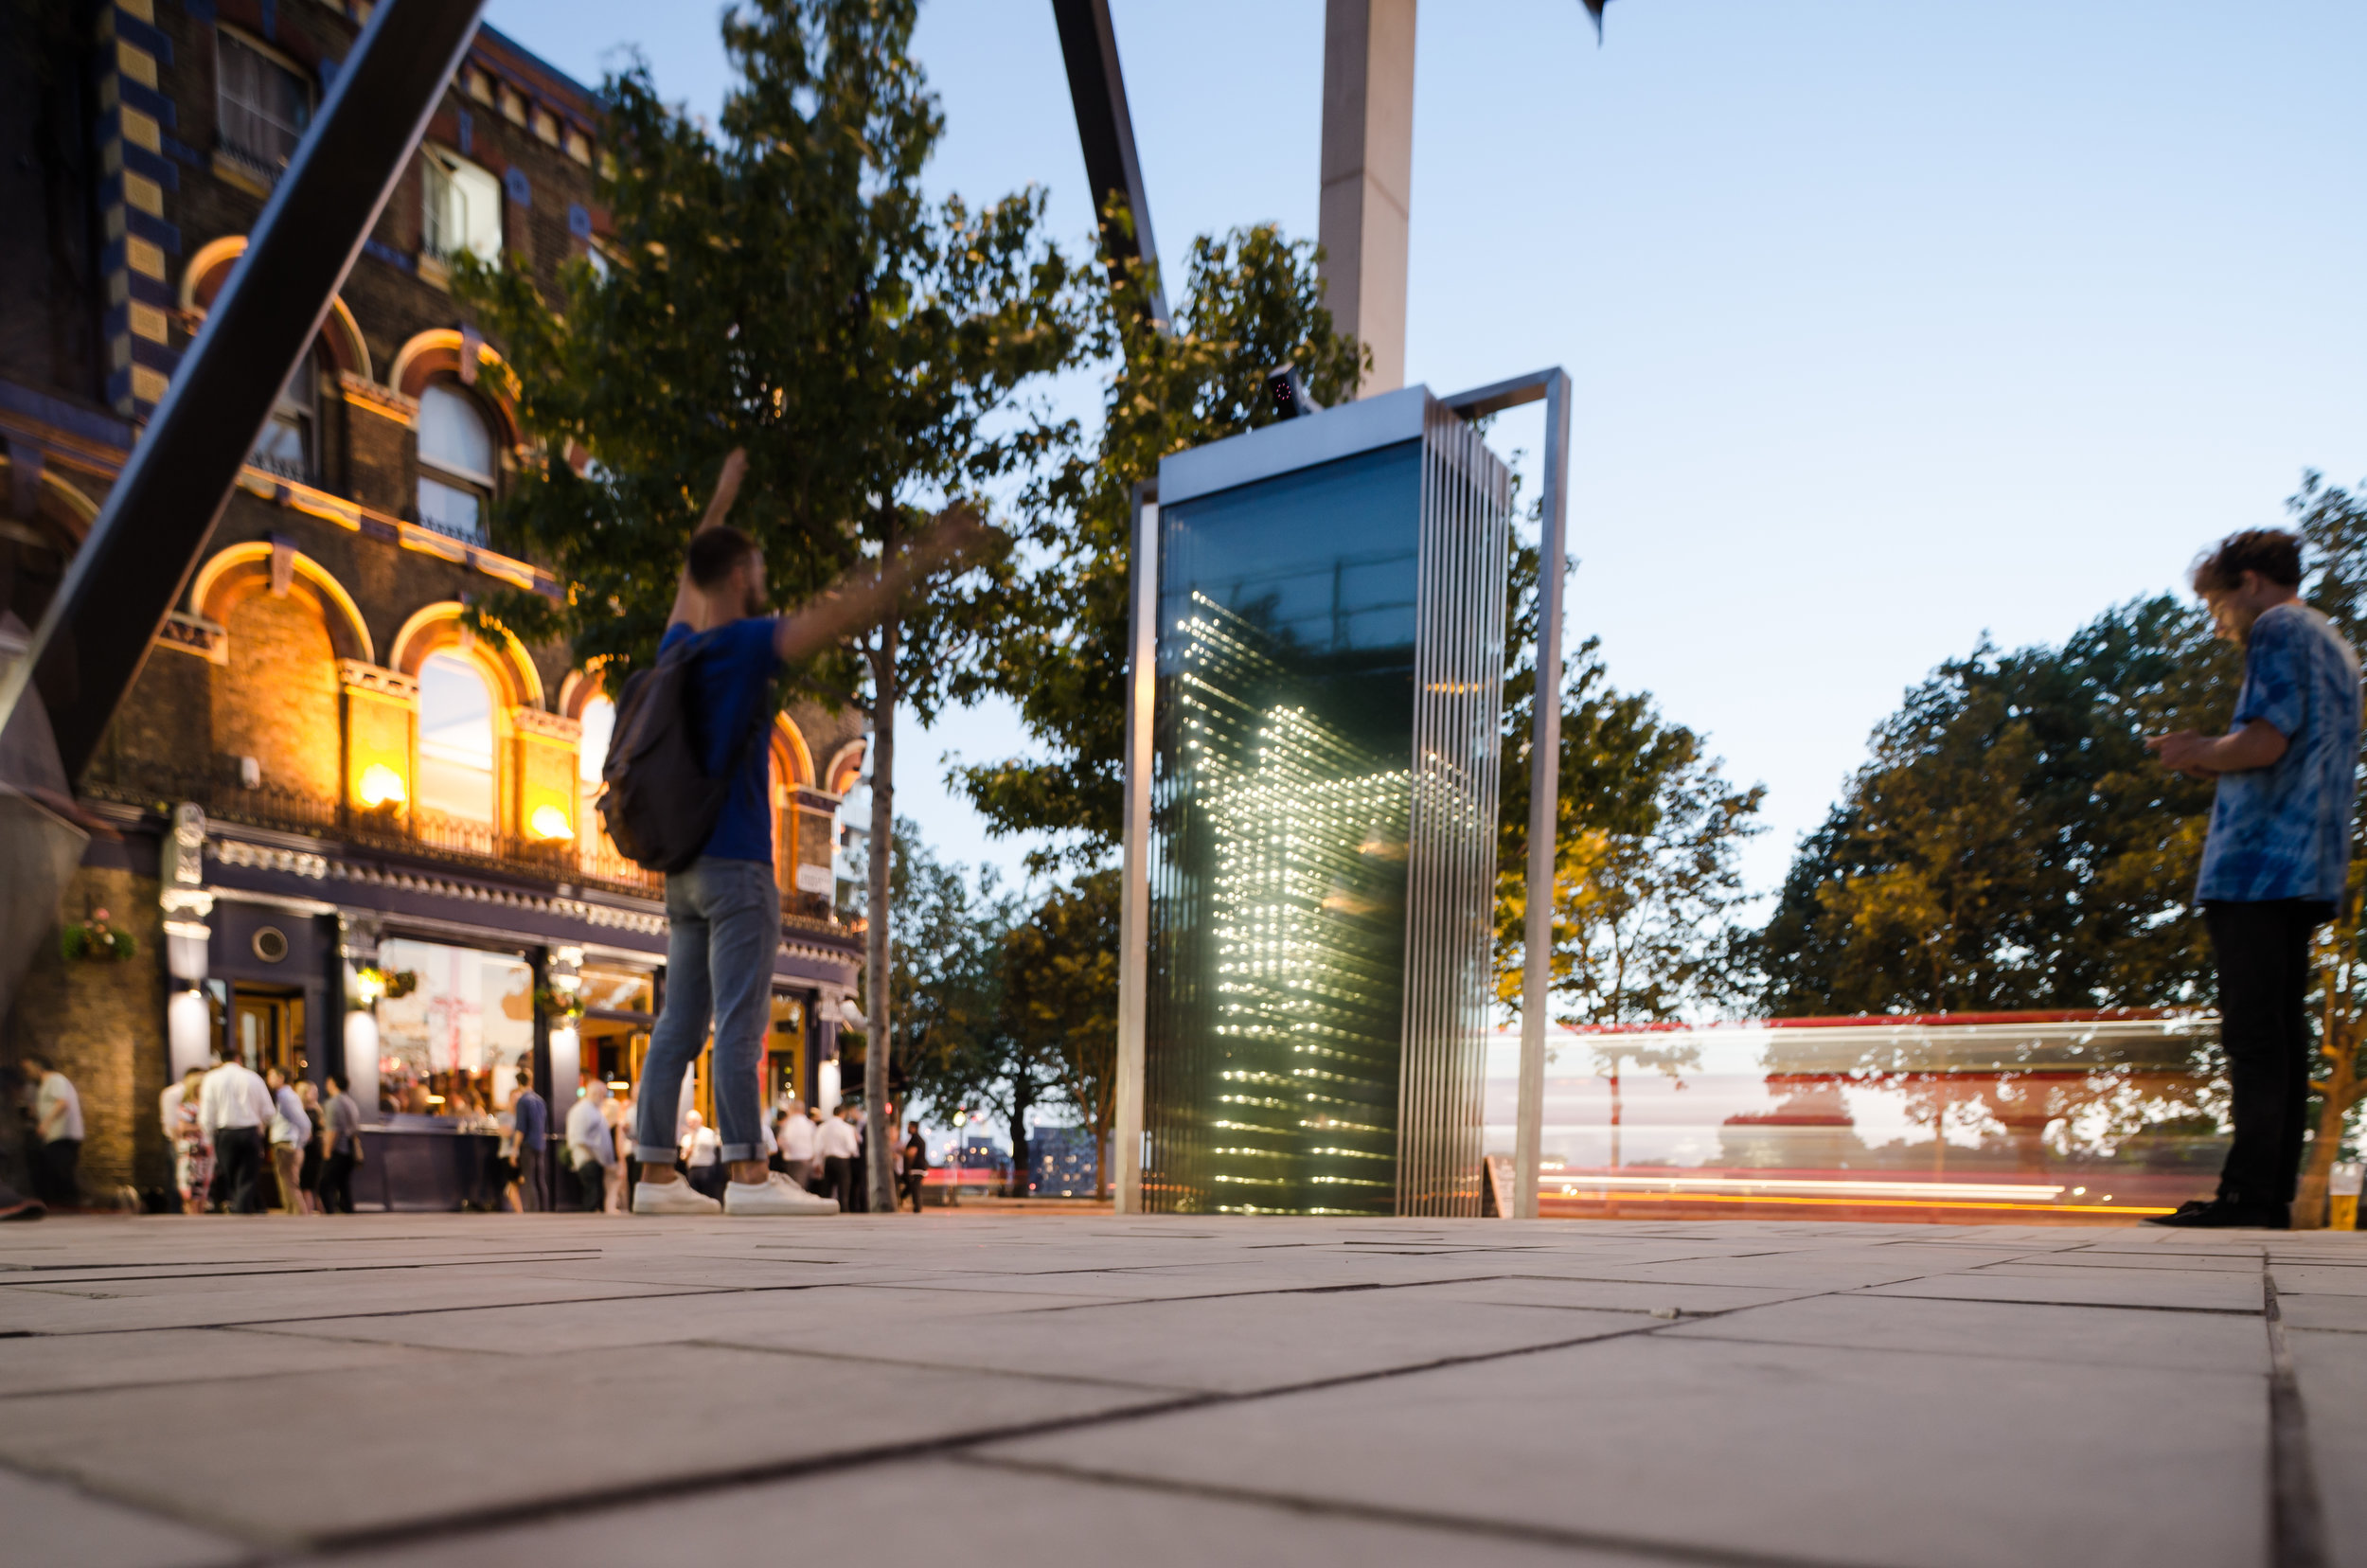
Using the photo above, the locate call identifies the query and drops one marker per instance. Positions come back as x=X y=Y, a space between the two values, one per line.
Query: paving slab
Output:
x=1878 y=1458
x=466 y=1388
x=2332 y=1371
x=49 y=1523
x=2172 y=1342
x=58 y=1363
x=474 y=1434
x=932 y=1510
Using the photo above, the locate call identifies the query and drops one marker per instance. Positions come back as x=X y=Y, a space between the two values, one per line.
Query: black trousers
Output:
x=237 y=1163
x=57 y=1179
x=838 y=1181
x=337 y=1184
x=2263 y=955
x=591 y=1184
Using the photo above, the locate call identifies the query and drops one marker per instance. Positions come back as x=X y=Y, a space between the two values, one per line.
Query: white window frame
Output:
x=459 y=481
x=460 y=207
x=267 y=160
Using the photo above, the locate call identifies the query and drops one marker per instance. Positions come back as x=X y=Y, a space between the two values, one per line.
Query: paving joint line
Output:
x=2297 y=1521
x=611 y=1496
x=1462 y=1524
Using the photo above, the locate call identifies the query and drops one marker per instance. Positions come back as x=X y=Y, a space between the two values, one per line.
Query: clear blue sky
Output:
x=1890 y=323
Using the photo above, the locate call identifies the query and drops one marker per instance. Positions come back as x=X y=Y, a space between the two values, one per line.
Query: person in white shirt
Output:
x=701 y=1156
x=58 y=1125
x=592 y=1146
x=835 y=1140
x=291 y=1129
x=192 y=1161
x=794 y=1134
x=234 y=1113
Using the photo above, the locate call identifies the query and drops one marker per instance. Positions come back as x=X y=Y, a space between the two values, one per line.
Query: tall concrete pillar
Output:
x=1368 y=175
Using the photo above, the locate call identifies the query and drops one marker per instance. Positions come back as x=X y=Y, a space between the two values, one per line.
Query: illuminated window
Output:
x=456 y=463
x=461 y=208
x=599 y=722
x=455 y=738
x=261 y=106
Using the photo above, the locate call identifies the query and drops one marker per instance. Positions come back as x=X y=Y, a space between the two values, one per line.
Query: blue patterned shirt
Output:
x=2283 y=832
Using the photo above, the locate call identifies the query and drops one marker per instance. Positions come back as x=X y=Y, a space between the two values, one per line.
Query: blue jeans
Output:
x=726 y=919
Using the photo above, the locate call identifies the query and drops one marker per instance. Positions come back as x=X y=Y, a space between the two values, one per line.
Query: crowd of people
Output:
x=240 y=1138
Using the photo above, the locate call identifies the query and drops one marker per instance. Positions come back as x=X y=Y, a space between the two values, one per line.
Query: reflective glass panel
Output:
x=1280 y=798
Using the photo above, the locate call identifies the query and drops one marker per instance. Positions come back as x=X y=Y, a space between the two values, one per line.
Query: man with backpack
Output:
x=688 y=793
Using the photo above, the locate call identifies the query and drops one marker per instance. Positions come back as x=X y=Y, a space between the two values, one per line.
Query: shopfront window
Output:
x=450 y=1045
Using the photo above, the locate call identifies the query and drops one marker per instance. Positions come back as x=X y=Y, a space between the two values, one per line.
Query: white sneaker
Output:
x=776 y=1194
x=674 y=1197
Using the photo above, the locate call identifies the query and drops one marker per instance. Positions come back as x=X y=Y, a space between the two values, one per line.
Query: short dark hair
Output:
x=526 y=1075
x=337 y=1081
x=716 y=553
x=2273 y=553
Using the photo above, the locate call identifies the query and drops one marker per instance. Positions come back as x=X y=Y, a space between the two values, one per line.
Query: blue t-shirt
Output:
x=534 y=1121
x=2283 y=832
x=733 y=675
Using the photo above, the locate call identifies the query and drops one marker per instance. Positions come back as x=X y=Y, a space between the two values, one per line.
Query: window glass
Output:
x=462 y=208
x=455 y=738
x=599 y=722
x=449 y=510
x=455 y=462
x=264 y=107
x=452 y=436
x=451 y=1045
x=285 y=446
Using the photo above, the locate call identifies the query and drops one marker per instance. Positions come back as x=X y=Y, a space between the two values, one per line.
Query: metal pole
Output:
x=1105 y=129
x=122 y=582
x=1134 y=885
x=1544 y=800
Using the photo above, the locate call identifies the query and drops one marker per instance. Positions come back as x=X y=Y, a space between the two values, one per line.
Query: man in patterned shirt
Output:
x=2277 y=860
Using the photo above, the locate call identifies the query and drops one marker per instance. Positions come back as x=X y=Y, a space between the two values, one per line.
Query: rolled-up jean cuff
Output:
x=742 y=1151
x=652 y=1154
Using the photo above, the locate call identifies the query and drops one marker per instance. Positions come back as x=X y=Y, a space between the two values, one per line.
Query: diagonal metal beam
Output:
x=122 y=582
x=1106 y=129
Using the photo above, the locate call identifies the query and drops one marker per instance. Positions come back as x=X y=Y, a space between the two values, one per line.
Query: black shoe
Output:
x=2225 y=1214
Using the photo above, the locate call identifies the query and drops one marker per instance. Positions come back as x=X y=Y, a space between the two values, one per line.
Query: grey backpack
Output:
x=658 y=803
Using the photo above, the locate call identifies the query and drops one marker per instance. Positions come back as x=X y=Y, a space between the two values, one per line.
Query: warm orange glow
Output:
x=380 y=786
x=549 y=822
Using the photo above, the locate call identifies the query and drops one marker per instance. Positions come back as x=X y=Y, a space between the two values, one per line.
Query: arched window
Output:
x=290 y=443
x=599 y=722
x=455 y=738
x=455 y=462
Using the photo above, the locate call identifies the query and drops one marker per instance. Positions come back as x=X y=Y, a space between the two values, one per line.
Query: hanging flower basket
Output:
x=94 y=942
x=562 y=1008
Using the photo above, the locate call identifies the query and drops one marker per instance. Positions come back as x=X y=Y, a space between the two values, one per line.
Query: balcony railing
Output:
x=429 y=835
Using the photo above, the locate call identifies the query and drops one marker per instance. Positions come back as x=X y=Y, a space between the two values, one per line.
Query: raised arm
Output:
x=863 y=597
x=726 y=491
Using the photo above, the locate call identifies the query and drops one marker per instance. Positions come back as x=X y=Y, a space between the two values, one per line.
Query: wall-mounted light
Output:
x=380 y=786
x=549 y=822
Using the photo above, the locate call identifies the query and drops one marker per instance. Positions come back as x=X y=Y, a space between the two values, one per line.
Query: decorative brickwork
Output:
x=104 y=1026
x=276 y=700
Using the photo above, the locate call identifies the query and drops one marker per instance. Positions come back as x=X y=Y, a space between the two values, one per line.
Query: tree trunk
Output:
x=879 y=1174
x=2337 y=1096
x=1021 y=1102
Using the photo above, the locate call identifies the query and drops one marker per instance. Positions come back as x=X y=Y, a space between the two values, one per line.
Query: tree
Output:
x=2333 y=522
x=954 y=1037
x=1060 y=995
x=1251 y=301
x=782 y=286
x=2010 y=844
x=1646 y=837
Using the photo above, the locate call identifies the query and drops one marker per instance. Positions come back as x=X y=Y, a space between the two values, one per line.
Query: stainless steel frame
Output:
x=1225 y=464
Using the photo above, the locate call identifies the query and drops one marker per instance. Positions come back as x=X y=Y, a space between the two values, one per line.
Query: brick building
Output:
x=323 y=787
